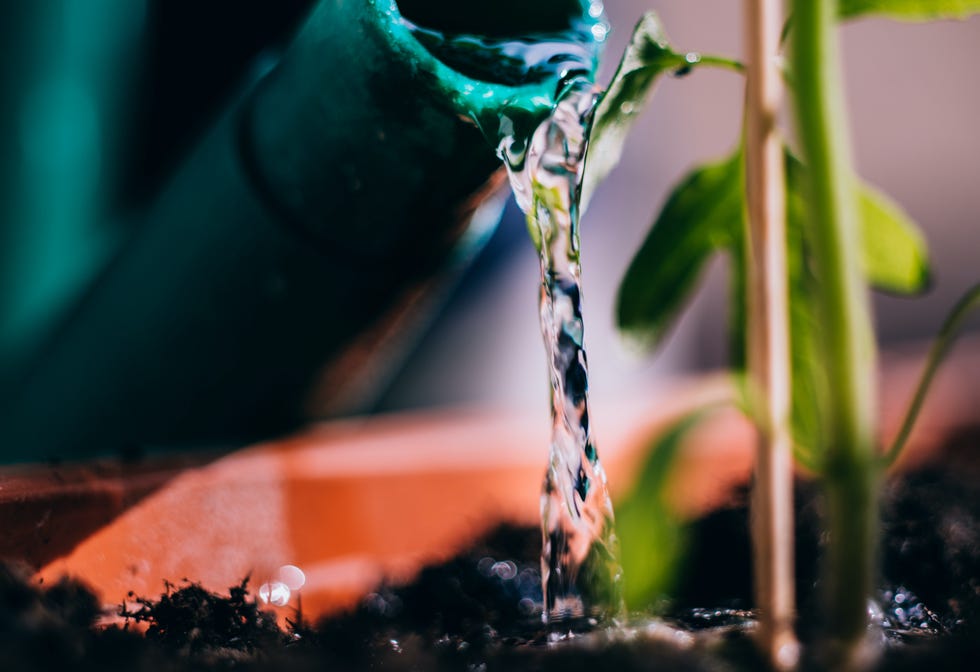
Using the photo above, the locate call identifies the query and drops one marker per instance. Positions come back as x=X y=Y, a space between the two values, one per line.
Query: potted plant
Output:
x=271 y=501
x=803 y=239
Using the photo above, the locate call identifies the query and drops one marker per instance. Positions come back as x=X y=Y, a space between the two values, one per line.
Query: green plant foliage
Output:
x=705 y=214
x=646 y=57
x=895 y=259
x=652 y=535
x=910 y=10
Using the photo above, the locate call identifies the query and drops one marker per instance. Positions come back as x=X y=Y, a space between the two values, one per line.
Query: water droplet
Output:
x=875 y=612
x=627 y=108
x=485 y=566
x=292 y=576
x=505 y=570
x=788 y=655
x=275 y=593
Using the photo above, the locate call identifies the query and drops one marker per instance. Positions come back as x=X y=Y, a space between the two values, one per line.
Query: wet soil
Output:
x=480 y=611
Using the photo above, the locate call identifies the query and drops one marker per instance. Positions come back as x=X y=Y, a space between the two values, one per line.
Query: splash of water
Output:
x=580 y=570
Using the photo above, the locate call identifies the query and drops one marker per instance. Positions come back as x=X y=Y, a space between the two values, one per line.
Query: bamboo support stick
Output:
x=768 y=338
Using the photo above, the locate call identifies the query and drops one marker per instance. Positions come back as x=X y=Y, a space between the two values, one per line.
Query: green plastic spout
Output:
x=265 y=284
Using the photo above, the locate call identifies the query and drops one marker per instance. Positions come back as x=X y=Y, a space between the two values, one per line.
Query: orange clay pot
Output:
x=355 y=501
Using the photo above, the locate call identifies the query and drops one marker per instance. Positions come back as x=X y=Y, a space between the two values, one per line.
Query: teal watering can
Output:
x=272 y=279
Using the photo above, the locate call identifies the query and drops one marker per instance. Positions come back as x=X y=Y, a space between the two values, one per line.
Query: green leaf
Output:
x=969 y=302
x=646 y=57
x=910 y=10
x=705 y=215
x=652 y=536
x=701 y=216
x=894 y=256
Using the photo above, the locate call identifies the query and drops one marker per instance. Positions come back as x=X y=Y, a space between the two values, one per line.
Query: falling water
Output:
x=579 y=561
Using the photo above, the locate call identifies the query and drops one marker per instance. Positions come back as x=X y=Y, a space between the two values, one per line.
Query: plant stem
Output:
x=685 y=61
x=721 y=62
x=768 y=337
x=940 y=347
x=850 y=469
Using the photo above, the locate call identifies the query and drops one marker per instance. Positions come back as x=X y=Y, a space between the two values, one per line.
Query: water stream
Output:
x=579 y=560
x=581 y=576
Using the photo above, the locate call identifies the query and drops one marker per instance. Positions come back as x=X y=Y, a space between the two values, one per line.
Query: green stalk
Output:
x=940 y=348
x=722 y=62
x=850 y=468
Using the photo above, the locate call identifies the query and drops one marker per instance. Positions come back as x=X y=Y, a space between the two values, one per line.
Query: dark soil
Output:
x=479 y=611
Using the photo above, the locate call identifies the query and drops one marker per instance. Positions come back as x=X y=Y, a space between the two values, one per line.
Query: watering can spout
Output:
x=383 y=108
x=305 y=227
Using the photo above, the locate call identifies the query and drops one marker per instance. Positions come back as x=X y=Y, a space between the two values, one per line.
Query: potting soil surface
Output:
x=480 y=611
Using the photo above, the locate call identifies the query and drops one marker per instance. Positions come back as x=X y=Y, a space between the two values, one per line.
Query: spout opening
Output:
x=495 y=56
x=500 y=18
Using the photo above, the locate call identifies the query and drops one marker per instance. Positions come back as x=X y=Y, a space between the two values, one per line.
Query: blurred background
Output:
x=103 y=100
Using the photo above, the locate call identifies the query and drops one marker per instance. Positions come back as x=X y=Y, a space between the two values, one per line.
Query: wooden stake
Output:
x=768 y=338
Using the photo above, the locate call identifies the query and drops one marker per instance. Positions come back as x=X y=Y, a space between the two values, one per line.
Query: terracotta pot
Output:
x=351 y=502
